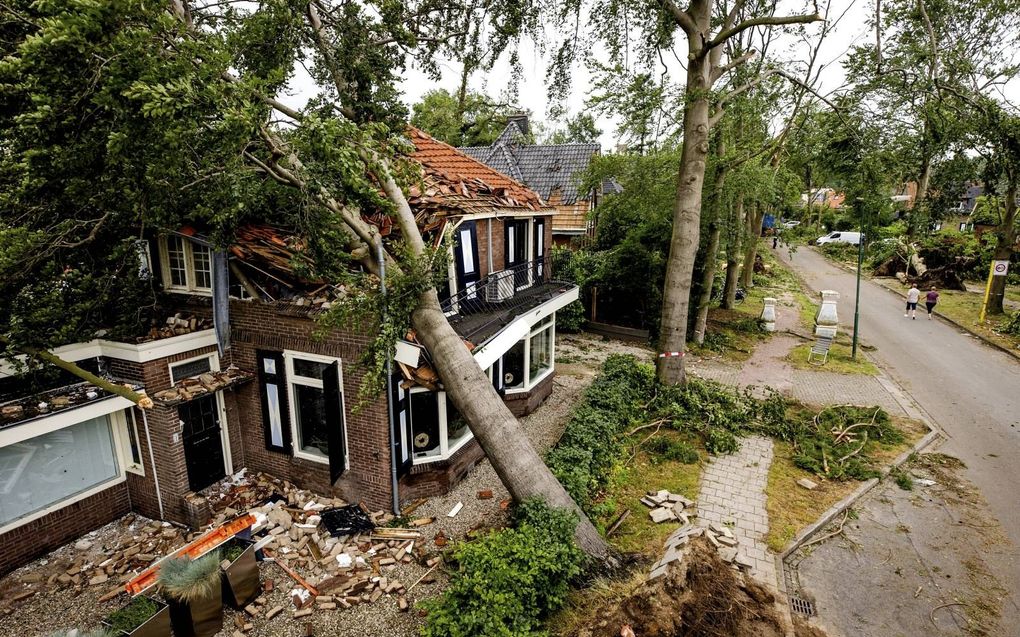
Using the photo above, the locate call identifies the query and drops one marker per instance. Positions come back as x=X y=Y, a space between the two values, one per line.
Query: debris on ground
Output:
x=668 y=507
x=699 y=595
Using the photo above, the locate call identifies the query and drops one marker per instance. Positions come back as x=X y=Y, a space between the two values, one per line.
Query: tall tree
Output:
x=128 y=113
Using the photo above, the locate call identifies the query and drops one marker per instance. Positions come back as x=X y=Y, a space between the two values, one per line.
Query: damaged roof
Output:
x=546 y=168
x=461 y=184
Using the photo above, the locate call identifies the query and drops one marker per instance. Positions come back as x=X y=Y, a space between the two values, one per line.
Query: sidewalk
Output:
x=768 y=367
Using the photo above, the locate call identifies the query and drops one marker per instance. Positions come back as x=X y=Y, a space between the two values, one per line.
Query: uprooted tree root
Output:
x=700 y=596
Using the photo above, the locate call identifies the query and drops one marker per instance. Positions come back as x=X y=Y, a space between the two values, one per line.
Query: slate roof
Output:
x=545 y=168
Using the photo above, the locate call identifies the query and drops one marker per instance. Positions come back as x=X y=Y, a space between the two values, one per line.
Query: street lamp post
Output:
x=860 y=261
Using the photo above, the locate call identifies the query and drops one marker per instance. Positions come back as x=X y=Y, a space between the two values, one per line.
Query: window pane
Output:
x=275 y=422
x=309 y=369
x=513 y=366
x=132 y=434
x=541 y=353
x=203 y=266
x=175 y=258
x=43 y=471
x=425 y=424
x=456 y=424
x=311 y=420
x=467 y=252
x=190 y=369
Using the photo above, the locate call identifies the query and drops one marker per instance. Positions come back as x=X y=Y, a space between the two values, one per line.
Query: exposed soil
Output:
x=701 y=596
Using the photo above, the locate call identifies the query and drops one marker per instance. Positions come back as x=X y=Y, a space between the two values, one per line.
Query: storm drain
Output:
x=801 y=605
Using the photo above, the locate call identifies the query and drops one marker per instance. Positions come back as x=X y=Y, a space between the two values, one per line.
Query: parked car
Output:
x=790 y=224
x=853 y=238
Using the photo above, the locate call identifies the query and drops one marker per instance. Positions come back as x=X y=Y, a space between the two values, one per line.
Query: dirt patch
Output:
x=700 y=596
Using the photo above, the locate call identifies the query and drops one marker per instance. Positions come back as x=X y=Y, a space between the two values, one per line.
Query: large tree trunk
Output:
x=712 y=252
x=499 y=433
x=683 y=246
x=736 y=226
x=1005 y=240
x=920 y=200
x=754 y=221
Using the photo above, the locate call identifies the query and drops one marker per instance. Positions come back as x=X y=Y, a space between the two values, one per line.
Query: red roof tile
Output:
x=455 y=179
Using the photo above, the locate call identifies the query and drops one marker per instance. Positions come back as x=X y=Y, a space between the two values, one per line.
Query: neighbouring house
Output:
x=823 y=197
x=270 y=395
x=959 y=219
x=553 y=171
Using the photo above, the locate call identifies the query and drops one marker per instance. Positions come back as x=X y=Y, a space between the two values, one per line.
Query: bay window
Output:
x=438 y=430
x=531 y=358
x=44 y=470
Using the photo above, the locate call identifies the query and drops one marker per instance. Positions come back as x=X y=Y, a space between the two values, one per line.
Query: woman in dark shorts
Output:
x=930 y=299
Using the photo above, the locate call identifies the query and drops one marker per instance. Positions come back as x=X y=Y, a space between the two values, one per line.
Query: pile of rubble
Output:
x=177 y=325
x=668 y=506
x=212 y=381
x=107 y=559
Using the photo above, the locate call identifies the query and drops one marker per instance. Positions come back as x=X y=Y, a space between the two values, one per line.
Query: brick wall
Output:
x=437 y=478
x=523 y=403
x=27 y=542
x=267 y=327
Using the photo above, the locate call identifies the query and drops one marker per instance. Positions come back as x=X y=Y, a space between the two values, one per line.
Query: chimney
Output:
x=521 y=119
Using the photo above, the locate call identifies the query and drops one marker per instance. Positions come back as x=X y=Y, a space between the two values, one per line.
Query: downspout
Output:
x=389 y=388
x=152 y=462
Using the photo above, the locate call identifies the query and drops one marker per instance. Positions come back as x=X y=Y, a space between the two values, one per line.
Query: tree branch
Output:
x=682 y=18
x=726 y=34
x=123 y=391
x=719 y=71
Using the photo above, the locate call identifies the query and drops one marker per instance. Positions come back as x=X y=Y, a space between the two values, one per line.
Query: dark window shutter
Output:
x=276 y=379
x=402 y=451
x=334 y=420
x=508 y=227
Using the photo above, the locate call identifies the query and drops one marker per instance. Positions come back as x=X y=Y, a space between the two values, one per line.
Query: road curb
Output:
x=849 y=501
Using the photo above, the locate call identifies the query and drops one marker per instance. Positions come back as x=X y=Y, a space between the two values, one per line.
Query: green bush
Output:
x=720 y=441
x=1011 y=325
x=676 y=450
x=130 y=617
x=507 y=581
x=584 y=457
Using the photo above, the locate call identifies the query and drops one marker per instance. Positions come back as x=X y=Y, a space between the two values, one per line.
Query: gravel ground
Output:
x=578 y=359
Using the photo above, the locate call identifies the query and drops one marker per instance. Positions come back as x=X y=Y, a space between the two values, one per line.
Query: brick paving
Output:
x=733 y=494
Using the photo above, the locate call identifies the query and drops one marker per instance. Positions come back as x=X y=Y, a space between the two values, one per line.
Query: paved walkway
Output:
x=733 y=494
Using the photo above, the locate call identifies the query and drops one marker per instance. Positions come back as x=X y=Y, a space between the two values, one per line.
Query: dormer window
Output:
x=187 y=265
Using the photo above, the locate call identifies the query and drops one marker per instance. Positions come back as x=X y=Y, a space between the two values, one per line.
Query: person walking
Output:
x=912 y=296
x=930 y=299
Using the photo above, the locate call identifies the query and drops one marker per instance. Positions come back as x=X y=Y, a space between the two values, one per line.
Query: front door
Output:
x=465 y=254
x=516 y=251
x=203 y=445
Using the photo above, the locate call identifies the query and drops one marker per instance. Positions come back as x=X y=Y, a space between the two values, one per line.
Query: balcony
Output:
x=482 y=308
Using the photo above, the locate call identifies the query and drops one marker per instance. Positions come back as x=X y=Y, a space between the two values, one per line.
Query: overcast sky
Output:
x=849 y=16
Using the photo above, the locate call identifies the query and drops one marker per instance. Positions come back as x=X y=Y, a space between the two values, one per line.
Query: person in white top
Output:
x=912 y=296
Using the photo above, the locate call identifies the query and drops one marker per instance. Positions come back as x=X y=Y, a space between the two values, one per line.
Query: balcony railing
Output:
x=502 y=290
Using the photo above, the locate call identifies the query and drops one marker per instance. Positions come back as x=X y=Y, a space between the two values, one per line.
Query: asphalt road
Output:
x=969 y=389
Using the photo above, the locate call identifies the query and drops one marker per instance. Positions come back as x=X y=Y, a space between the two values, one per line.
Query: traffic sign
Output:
x=1000 y=268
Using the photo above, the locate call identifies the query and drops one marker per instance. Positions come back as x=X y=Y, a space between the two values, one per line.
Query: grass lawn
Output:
x=647 y=471
x=839 y=360
x=791 y=507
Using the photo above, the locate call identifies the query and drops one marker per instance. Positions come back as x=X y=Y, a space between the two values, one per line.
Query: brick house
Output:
x=553 y=171
x=269 y=393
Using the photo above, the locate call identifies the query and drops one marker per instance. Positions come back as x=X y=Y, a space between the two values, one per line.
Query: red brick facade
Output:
x=42 y=535
x=275 y=327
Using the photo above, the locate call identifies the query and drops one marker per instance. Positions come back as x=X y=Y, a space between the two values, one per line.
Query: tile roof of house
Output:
x=544 y=167
x=462 y=184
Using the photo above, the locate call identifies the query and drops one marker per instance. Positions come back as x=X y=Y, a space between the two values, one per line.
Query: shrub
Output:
x=720 y=441
x=1011 y=325
x=677 y=450
x=130 y=617
x=188 y=580
x=505 y=582
x=584 y=457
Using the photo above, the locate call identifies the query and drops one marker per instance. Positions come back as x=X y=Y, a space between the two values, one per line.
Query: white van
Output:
x=852 y=238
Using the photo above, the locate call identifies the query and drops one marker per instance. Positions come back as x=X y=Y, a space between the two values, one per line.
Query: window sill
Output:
x=190 y=291
x=136 y=469
x=532 y=384
x=452 y=451
x=304 y=455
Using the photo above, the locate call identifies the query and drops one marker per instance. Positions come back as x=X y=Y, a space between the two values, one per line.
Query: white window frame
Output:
x=445 y=450
x=221 y=407
x=191 y=286
x=529 y=382
x=131 y=430
x=113 y=409
x=288 y=362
